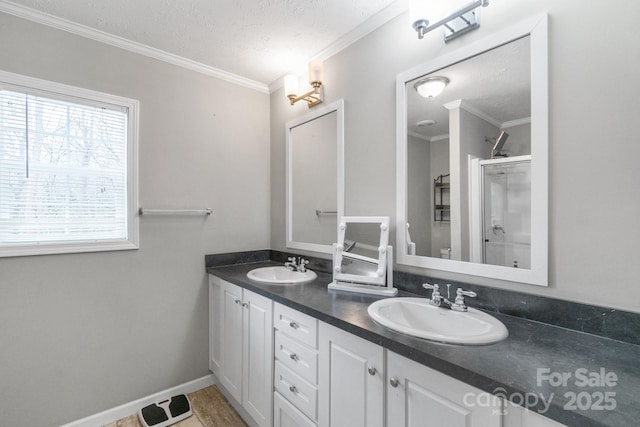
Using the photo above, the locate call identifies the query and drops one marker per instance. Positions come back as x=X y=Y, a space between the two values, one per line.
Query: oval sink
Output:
x=280 y=275
x=418 y=318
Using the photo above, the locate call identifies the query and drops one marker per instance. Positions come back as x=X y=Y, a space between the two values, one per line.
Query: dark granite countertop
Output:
x=509 y=368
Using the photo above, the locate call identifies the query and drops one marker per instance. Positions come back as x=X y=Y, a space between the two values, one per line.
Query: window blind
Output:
x=63 y=170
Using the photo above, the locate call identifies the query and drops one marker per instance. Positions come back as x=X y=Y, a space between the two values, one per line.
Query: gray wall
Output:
x=593 y=198
x=419 y=189
x=440 y=230
x=86 y=332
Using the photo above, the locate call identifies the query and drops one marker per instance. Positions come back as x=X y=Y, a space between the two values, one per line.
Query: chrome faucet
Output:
x=457 y=305
x=436 y=298
x=296 y=264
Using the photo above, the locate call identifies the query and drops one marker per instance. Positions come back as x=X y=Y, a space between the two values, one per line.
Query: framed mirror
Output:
x=315 y=178
x=472 y=159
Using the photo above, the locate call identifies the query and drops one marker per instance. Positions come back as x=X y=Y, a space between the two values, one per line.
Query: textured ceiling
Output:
x=260 y=40
x=496 y=83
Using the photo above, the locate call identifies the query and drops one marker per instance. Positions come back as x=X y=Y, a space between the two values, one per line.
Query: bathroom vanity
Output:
x=319 y=360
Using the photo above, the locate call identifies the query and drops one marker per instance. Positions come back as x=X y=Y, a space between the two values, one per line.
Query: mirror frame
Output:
x=317 y=112
x=537 y=28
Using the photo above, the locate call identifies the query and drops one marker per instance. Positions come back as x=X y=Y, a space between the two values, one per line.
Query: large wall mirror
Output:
x=472 y=158
x=315 y=178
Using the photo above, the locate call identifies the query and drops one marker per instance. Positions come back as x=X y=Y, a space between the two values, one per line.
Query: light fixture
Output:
x=425 y=123
x=457 y=23
x=431 y=86
x=314 y=96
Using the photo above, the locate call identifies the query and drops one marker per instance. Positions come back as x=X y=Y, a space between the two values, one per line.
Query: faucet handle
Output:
x=436 y=299
x=302 y=264
x=435 y=286
x=459 y=304
x=462 y=293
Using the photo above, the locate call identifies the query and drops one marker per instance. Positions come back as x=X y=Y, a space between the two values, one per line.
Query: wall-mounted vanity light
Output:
x=314 y=96
x=431 y=86
x=427 y=15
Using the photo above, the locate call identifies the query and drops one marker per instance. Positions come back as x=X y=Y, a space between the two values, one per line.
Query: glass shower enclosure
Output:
x=503 y=234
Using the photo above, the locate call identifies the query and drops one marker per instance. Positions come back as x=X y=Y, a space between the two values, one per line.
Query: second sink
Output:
x=418 y=318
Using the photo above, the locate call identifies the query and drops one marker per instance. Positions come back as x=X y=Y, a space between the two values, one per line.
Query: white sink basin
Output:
x=416 y=317
x=280 y=275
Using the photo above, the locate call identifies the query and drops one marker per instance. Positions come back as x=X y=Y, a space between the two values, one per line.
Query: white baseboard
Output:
x=122 y=411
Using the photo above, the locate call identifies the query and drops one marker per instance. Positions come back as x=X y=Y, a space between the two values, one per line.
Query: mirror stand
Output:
x=365 y=288
x=362 y=258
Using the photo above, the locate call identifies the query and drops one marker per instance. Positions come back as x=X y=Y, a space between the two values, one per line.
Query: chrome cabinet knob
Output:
x=293 y=389
x=293 y=356
x=293 y=324
x=372 y=371
x=394 y=382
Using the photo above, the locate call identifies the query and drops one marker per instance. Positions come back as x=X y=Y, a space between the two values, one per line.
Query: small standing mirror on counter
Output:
x=362 y=258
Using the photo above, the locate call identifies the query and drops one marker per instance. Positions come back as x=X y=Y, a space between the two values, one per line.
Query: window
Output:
x=68 y=169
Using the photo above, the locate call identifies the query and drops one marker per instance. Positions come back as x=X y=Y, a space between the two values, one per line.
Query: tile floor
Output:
x=209 y=407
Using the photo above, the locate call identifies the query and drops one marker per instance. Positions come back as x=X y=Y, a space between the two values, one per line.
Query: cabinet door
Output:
x=418 y=396
x=231 y=367
x=215 y=324
x=351 y=380
x=516 y=416
x=257 y=356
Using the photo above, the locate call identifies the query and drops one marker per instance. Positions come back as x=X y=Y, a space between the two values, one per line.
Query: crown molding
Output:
x=481 y=114
x=122 y=43
x=435 y=138
x=516 y=122
x=418 y=136
x=376 y=21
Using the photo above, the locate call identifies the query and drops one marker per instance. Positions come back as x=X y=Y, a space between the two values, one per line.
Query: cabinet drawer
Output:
x=287 y=415
x=298 y=325
x=303 y=395
x=296 y=356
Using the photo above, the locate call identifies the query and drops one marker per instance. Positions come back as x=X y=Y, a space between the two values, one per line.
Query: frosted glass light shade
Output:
x=431 y=86
x=291 y=85
x=315 y=72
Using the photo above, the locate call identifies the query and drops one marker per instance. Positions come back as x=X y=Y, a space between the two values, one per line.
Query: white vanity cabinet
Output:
x=419 y=396
x=351 y=380
x=516 y=416
x=241 y=346
x=287 y=369
x=295 y=368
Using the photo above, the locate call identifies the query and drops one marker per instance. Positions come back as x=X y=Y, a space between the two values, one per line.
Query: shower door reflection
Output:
x=506 y=212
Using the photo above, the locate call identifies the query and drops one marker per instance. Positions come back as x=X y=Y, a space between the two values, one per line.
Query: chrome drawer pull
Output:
x=293 y=324
x=293 y=356
x=293 y=389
